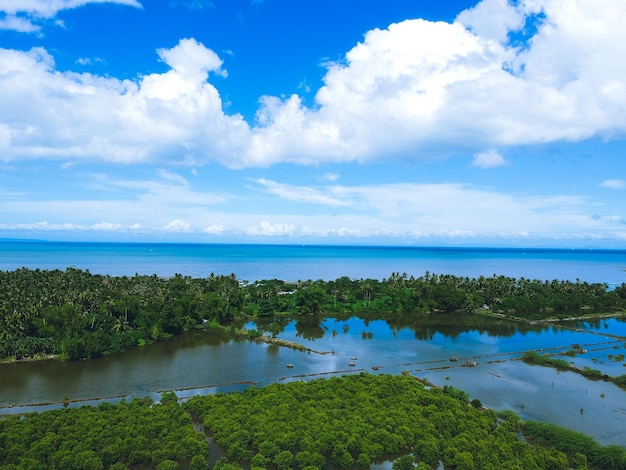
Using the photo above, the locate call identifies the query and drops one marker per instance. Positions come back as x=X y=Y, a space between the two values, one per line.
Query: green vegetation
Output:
x=365 y=418
x=106 y=436
x=353 y=420
x=350 y=420
x=573 y=443
x=75 y=314
x=532 y=357
x=620 y=381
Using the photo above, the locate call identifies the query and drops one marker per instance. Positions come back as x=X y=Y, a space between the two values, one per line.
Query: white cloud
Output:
x=21 y=25
x=191 y=60
x=614 y=184
x=268 y=229
x=420 y=87
x=400 y=211
x=23 y=15
x=173 y=177
x=107 y=227
x=48 y=114
x=45 y=226
x=49 y=8
x=493 y=19
x=214 y=229
x=489 y=159
x=339 y=232
x=167 y=203
x=300 y=193
x=89 y=60
x=177 y=226
x=412 y=90
x=408 y=210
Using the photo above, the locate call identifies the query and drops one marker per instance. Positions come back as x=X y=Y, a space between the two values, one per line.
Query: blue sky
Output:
x=499 y=123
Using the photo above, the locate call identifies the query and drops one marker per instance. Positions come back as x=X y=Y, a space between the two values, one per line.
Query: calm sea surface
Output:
x=291 y=262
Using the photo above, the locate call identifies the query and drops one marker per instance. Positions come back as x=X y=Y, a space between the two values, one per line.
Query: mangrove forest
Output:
x=354 y=420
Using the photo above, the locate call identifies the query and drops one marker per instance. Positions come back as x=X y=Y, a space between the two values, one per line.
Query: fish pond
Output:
x=480 y=356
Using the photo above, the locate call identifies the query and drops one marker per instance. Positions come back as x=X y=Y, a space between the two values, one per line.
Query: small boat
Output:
x=290 y=366
x=453 y=359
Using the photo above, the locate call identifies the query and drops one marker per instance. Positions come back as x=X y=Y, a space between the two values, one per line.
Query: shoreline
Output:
x=240 y=332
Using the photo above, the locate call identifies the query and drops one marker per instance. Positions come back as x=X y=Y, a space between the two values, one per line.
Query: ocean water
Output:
x=302 y=262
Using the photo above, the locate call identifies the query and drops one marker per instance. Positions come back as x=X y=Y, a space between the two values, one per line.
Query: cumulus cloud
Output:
x=192 y=61
x=489 y=159
x=420 y=85
x=493 y=19
x=176 y=114
x=177 y=226
x=214 y=229
x=107 y=226
x=268 y=229
x=45 y=226
x=409 y=91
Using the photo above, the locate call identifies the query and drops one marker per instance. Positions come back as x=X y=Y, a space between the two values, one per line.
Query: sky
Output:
x=404 y=122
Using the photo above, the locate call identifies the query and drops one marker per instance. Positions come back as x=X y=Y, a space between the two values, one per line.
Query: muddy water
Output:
x=207 y=362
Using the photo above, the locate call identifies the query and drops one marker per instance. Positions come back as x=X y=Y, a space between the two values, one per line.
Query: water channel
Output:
x=203 y=362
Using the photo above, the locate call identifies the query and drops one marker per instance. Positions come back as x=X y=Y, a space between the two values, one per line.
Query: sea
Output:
x=254 y=262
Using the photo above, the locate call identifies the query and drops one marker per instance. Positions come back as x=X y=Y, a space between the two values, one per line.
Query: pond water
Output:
x=204 y=362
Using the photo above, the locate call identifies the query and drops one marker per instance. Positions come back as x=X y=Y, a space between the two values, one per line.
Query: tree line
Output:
x=76 y=314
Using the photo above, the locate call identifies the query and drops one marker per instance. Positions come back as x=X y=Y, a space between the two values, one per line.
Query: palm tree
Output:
x=366 y=287
x=334 y=293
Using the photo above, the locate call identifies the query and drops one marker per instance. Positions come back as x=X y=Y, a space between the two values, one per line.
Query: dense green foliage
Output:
x=362 y=418
x=571 y=442
x=350 y=420
x=78 y=314
x=106 y=436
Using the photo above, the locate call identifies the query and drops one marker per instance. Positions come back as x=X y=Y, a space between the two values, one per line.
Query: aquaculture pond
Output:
x=480 y=356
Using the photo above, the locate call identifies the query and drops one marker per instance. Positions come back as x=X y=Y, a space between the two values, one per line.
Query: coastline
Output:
x=253 y=336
